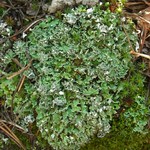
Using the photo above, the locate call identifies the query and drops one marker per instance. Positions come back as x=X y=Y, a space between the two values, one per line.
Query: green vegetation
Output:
x=121 y=137
x=81 y=75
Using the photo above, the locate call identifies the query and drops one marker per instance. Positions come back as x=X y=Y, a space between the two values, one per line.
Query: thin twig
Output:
x=20 y=71
x=22 y=78
x=132 y=3
x=127 y=36
x=147 y=3
x=3 y=5
x=139 y=54
x=12 y=136
x=25 y=29
x=17 y=62
x=21 y=83
x=6 y=12
x=13 y=124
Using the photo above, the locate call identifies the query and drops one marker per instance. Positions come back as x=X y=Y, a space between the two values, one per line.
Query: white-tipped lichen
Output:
x=77 y=61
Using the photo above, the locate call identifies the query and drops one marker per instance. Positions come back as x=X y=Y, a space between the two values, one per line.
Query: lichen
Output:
x=78 y=64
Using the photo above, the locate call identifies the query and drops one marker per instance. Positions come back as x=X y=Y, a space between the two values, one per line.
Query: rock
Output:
x=78 y=1
x=69 y=2
x=90 y=2
x=56 y=5
x=60 y=4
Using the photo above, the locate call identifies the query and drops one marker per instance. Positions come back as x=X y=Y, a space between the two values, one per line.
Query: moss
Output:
x=120 y=138
x=78 y=82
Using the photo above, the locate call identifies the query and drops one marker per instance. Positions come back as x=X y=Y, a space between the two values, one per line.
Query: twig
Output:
x=127 y=36
x=20 y=71
x=10 y=134
x=17 y=62
x=13 y=124
x=11 y=3
x=144 y=19
x=26 y=28
x=21 y=83
x=139 y=54
x=19 y=86
x=133 y=3
x=6 y=12
x=147 y=3
x=3 y=5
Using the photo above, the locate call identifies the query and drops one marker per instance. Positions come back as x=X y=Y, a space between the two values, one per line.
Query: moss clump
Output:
x=121 y=137
x=74 y=83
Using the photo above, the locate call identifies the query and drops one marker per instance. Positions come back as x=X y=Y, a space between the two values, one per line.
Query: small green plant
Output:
x=74 y=84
